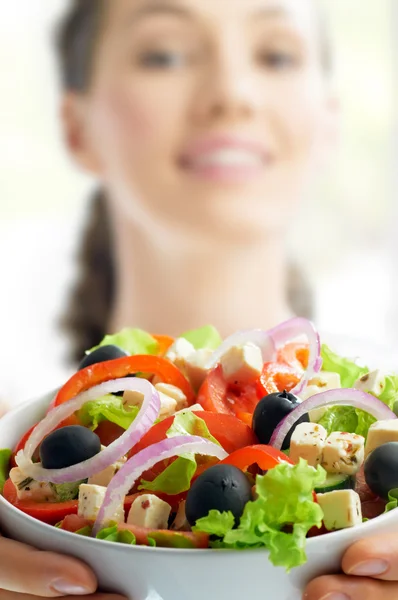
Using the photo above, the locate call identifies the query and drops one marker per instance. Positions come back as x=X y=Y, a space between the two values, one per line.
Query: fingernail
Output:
x=69 y=588
x=370 y=568
x=335 y=596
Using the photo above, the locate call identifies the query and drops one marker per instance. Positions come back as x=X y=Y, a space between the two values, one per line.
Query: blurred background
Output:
x=349 y=255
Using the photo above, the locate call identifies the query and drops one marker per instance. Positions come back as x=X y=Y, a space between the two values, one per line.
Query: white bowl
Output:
x=171 y=574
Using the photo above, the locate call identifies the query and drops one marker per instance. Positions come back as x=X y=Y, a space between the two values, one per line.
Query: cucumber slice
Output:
x=336 y=482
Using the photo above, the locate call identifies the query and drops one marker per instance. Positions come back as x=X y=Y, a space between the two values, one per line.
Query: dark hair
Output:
x=91 y=301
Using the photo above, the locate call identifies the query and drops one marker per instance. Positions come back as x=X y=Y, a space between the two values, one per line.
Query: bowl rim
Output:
x=342 y=535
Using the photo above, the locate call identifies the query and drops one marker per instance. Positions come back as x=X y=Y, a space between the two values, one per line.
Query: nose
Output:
x=228 y=90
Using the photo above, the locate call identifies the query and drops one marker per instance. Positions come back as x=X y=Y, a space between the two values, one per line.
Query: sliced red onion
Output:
x=260 y=338
x=343 y=396
x=294 y=328
x=142 y=423
x=124 y=479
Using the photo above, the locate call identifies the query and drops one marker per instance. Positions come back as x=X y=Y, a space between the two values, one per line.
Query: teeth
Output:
x=229 y=158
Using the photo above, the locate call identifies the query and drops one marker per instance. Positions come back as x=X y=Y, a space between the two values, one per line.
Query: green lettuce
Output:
x=177 y=477
x=392 y=503
x=389 y=395
x=285 y=502
x=206 y=337
x=132 y=341
x=67 y=491
x=5 y=456
x=348 y=419
x=113 y=534
x=348 y=370
x=108 y=408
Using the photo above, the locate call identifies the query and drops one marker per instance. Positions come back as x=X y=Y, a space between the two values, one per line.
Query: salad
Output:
x=261 y=440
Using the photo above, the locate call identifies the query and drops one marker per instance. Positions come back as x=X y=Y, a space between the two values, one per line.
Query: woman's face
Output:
x=208 y=112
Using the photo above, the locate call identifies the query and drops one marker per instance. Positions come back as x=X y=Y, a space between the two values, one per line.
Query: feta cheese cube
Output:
x=168 y=405
x=103 y=478
x=343 y=453
x=341 y=508
x=242 y=363
x=308 y=441
x=173 y=392
x=371 y=383
x=29 y=489
x=381 y=433
x=322 y=382
x=193 y=408
x=179 y=352
x=195 y=367
x=91 y=498
x=149 y=511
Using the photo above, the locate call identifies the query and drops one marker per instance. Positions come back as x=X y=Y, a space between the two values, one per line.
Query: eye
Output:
x=279 y=60
x=162 y=59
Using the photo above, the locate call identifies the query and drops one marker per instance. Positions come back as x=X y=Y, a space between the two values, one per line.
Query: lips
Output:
x=226 y=158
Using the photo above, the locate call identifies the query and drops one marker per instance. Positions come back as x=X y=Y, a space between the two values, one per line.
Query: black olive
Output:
x=223 y=488
x=269 y=413
x=102 y=354
x=381 y=469
x=68 y=446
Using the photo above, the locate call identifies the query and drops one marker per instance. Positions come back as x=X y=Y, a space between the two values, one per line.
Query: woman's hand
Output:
x=26 y=572
x=371 y=573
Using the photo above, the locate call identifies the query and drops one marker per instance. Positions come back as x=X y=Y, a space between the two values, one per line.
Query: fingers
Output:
x=29 y=571
x=4 y=595
x=376 y=557
x=341 y=587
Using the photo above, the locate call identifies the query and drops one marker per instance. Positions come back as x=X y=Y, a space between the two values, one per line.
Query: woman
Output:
x=203 y=122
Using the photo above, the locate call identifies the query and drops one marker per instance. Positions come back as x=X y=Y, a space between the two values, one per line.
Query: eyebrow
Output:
x=156 y=7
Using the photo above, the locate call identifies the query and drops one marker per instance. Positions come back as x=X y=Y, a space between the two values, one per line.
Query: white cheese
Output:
x=341 y=508
x=91 y=498
x=103 y=478
x=371 y=383
x=179 y=352
x=149 y=511
x=173 y=392
x=381 y=433
x=343 y=453
x=308 y=441
x=195 y=367
x=29 y=489
x=168 y=405
x=242 y=363
x=324 y=381
x=193 y=408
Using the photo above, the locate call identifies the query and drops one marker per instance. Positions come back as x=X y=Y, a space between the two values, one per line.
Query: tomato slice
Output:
x=264 y=456
x=277 y=377
x=227 y=429
x=294 y=354
x=47 y=512
x=215 y=395
x=121 y=367
x=109 y=432
x=164 y=538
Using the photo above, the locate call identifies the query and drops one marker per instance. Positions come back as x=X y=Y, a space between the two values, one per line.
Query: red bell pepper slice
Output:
x=121 y=367
x=264 y=456
x=164 y=342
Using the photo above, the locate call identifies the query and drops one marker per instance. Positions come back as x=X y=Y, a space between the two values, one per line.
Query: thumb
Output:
x=45 y=574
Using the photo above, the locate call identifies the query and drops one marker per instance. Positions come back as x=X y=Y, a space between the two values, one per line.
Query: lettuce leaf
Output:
x=206 y=337
x=177 y=477
x=132 y=341
x=346 y=418
x=5 y=456
x=108 y=408
x=67 y=491
x=112 y=534
x=392 y=503
x=285 y=500
x=389 y=394
x=348 y=370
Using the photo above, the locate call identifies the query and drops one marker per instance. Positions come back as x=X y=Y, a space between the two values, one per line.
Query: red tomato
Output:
x=47 y=512
x=166 y=538
x=264 y=456
x=277 y=377
x=108 y=432
x=215 y=395
x=295 y=355
x=74 y=523
x=227 y=429
x=121 y=367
